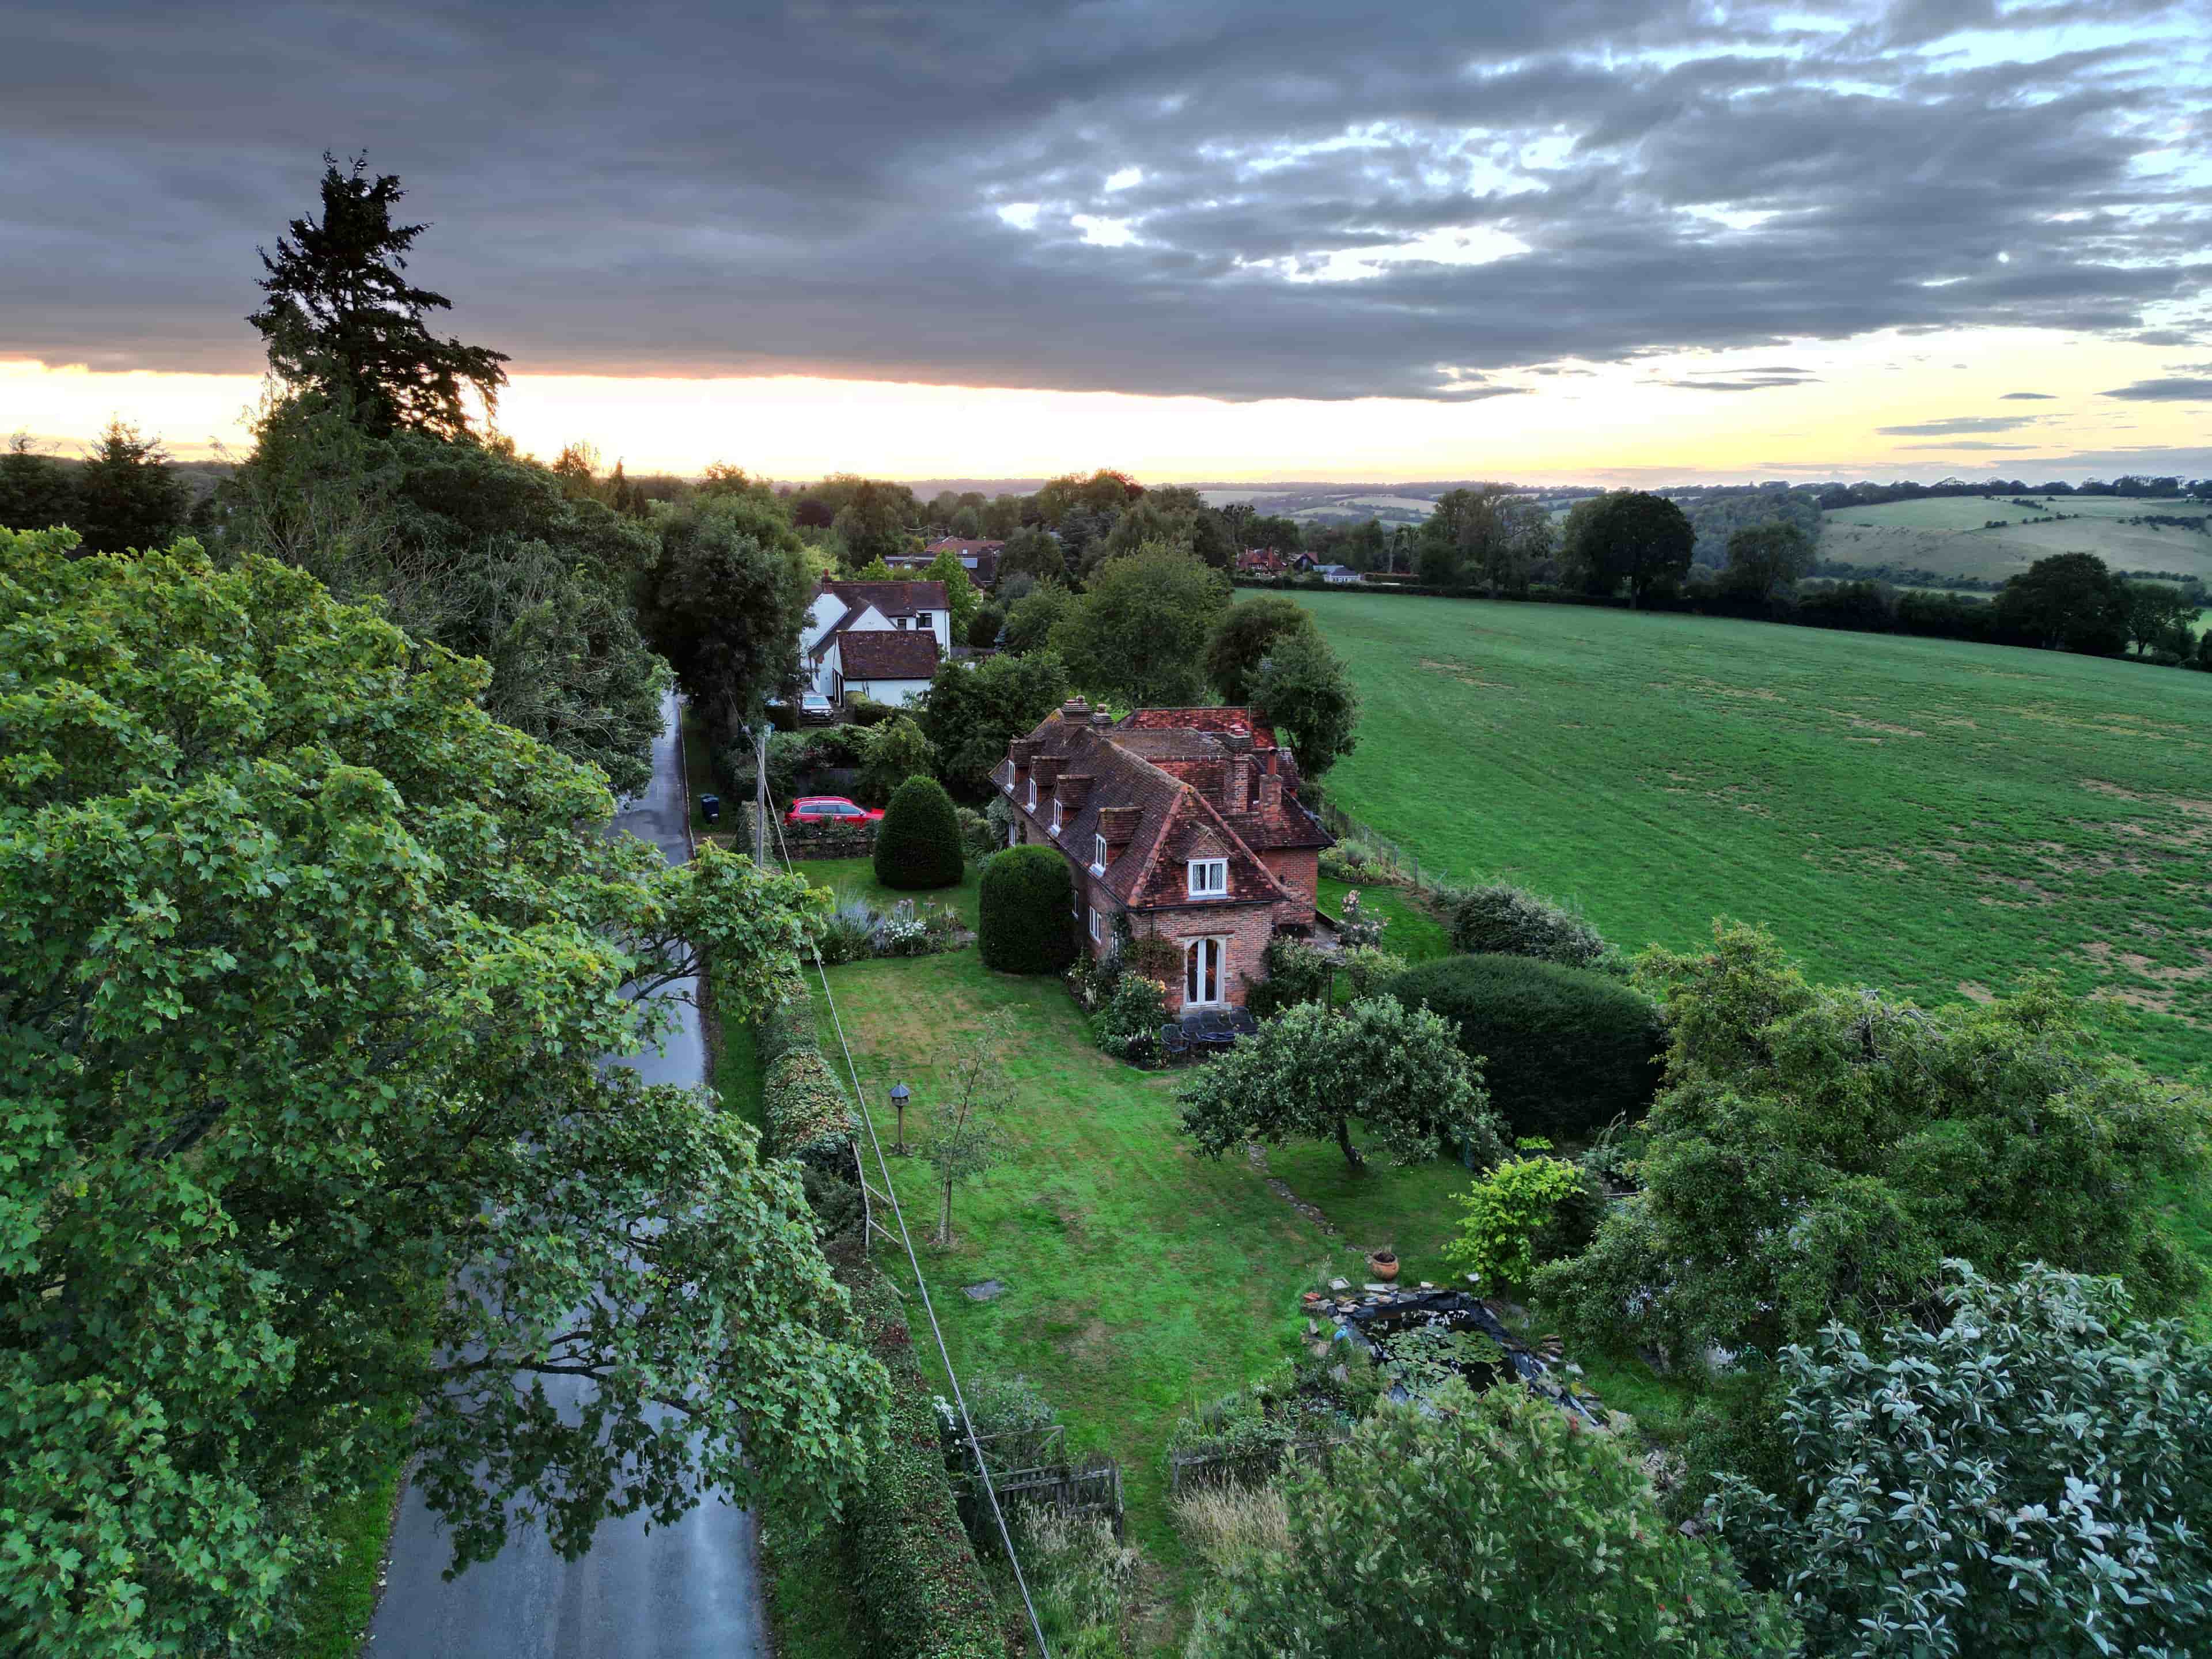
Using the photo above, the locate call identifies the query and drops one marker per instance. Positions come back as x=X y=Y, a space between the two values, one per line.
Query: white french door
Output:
x=1202 y=974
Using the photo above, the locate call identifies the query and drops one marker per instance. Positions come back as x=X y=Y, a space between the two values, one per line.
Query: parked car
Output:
x=815 y=709
x=829 y=809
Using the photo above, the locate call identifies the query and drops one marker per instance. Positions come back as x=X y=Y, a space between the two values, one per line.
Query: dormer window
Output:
x=1032 y=794
x=898 y=621
x=1055 y=817
x=1098 y=855
x=921 y=619
x=1209 y=878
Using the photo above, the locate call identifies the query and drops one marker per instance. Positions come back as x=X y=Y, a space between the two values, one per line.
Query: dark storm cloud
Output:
x=1958 y=424
x=1238 y=200
x=2183 y=389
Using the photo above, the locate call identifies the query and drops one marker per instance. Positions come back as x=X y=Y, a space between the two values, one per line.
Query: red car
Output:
x=829 y=809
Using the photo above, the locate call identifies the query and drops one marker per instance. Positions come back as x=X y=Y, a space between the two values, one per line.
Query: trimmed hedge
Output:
x=918 y=843
x=1022 y=919
x=1502 y=920
x=924 y=1596
x=809 y=1115
x=1563 y=1050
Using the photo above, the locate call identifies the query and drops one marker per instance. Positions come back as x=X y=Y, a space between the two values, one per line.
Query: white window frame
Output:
x=921 y=619
x=1055 y=815
x=1094 y=924
x=1032 y=794
x=1220 y=944
x=1098 y=855
x=1192 y=884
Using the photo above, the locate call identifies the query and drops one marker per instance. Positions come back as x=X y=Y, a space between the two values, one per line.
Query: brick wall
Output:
x=1297 y=868
x=1247 y=927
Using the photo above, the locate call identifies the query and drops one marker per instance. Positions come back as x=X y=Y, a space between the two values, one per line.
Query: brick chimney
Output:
x=1271 y=782
x=1101 y=720
x=1237 y=791
x=1044 y=769
x=1119 y=825
x=1071 y=791
x=1019 y=752
x=1075 y=712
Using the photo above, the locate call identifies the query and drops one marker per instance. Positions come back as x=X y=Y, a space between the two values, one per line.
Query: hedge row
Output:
x=924 y=1596
x=806 y=1111
x=1563 y=1050
x=1023 y=900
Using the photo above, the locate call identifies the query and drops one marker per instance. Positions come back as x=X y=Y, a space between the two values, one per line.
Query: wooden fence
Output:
x=1027 y=1467
x=1196 y=1469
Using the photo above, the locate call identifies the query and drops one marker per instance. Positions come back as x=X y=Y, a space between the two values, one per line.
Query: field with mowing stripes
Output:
x=1933 y=817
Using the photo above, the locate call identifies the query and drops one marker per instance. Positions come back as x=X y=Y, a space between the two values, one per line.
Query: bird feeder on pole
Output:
x=900 y=1096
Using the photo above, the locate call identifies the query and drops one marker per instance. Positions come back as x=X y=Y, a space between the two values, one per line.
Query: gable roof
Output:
x=892 y=599
x=903 y=653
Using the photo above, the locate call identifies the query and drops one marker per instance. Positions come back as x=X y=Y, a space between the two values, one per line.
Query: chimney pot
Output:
x=1075 y=711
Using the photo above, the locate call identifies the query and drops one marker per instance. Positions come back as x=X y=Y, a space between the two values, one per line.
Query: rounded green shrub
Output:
x=1563 y=1050
x=918 y=843
x=1023 y=921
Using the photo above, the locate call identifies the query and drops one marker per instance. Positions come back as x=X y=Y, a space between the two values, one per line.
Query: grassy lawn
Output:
x=1140 y=1278
x=855 y=878
x=1413 y=933
x=335 y=1611
x=1934 y=817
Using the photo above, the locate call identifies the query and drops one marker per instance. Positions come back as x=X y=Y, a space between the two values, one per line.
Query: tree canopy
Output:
x=1762 y=557
x=126 y=494
x=727 y=604
x=1818 y=1152
x=1311 y=1071
x=306 y=967
x=976 y=709
x=2068 y=602
x=36 y=491
x=1485 y=1524
x=1242 y=637
x=1138 y=631
x=1628 y=537
x=1305 y=692
x=2029 y=1477
x=341 y=316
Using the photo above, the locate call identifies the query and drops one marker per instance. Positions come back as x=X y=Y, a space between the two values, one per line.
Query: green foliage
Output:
x=1128 y=1026
x=1032 y=552
x=960 y=595
x=1081 y=1577
x=976 y=709
x=1762 y=557
x=1628 y=538
x=982 y=630
x=127 y=493
x=1295 y=972
x=1563 y=1050
x=924 y=1595
x=1484 y=1525
x=1509 y=1206
x=1309 y=1073
x=308 y=968
x=1305 y=693
x=2069 y=602
x=968 y=1136
x=1488 y=535
x=1818 y=1152
x=1031 y=619
x=2031 y=1476
x=340 y=318
x=978 y=838
x=727 y=602
x=36 y=491
x=1499 y=919
x=1023 y=923
x=1243 y=638
x=808 y=1112
x=892 y=753
x=918 y=843
x=1139 y=630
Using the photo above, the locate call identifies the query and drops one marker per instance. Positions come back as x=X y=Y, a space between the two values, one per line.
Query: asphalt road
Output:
x=682 y=1592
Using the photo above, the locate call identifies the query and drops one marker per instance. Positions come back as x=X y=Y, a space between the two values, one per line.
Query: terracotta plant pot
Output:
x=1385 y=1265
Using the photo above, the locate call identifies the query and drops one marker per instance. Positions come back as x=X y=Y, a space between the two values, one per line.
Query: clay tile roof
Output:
x=888 y=654
x=892 y=599
x=1218 y=719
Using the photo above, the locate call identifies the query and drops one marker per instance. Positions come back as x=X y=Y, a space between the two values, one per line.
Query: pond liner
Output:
x=1371 y=1323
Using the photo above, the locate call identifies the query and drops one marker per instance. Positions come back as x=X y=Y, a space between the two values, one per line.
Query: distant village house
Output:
x=878 y=639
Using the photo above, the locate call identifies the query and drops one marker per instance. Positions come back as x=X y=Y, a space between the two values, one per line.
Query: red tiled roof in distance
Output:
x=892 y=599
x=884 y=653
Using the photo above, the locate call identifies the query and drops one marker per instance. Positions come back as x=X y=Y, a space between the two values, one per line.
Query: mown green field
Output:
x=1950 y=534
x=1936 y=819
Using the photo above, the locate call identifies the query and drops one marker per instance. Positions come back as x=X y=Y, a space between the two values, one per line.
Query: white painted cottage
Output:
x=878 y=639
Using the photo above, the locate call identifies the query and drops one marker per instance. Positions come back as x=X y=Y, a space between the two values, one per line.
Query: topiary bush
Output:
x=918 y=843
x=1503 y=920
x=1563 y=1050
x=1022 y=919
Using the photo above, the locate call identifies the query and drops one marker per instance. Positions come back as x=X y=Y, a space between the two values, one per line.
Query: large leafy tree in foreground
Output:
x=1817 y=1152
x=1483 y=1525
x=1311 y=1071
x=2034 y=1477
x=341 y=317
x=1139 y=629
x=305 y=965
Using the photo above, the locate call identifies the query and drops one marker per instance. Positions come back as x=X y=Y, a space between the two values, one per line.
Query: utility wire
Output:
x=890 y=1192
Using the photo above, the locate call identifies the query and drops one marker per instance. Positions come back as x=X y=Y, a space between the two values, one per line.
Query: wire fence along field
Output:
x=1939 y=819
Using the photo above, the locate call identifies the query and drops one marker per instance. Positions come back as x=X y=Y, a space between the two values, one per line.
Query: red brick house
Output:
x=1184 y=821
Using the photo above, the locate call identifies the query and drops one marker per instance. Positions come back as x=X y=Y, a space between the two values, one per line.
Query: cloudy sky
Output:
x=1538 y=239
